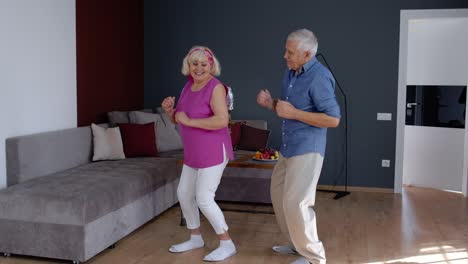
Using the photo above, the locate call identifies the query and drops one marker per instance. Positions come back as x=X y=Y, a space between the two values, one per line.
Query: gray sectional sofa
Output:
x=59 y=204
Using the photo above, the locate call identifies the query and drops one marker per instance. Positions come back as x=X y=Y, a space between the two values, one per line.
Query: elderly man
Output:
x=308 y=107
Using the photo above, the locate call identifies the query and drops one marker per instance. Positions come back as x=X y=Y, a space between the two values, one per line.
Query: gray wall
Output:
x=360 y=40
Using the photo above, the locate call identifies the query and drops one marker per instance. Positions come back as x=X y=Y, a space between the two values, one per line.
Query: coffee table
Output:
x=244 y=161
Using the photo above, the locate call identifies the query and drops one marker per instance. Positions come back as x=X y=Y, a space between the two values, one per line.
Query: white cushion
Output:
x=107 y=143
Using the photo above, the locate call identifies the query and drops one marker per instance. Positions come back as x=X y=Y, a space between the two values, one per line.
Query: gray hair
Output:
x=307 y=40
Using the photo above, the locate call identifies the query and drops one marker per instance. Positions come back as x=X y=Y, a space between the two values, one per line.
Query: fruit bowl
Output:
x=266 y=154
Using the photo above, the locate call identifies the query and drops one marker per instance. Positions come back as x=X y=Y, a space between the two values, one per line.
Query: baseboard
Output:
x=354 y=189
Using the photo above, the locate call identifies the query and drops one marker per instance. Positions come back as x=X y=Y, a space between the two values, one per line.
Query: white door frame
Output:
x=405 y=17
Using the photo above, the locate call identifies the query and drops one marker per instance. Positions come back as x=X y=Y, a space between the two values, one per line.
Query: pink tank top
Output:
x=202 y=148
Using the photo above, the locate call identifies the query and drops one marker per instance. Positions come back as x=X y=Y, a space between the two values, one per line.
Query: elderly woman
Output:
x=202 y=115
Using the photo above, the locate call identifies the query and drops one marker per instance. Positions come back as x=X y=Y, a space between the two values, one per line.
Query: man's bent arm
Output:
x=316 y=119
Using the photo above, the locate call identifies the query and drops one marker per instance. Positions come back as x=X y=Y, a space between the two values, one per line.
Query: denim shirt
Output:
x=311 y=90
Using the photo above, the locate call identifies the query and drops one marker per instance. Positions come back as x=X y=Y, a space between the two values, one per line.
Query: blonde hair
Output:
x=198 y=53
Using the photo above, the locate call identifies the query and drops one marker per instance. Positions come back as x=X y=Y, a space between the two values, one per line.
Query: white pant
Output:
x=197 y=188
x=293 y=187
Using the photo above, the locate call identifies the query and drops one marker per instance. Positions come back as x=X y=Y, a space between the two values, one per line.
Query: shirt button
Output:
x=284 y=145
x=283 y=133
x=290 y=85
x=287 y=98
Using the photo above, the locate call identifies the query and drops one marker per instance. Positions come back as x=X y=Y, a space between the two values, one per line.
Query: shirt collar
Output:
x=306 y=66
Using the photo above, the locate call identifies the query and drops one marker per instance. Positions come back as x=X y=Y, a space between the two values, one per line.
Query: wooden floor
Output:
x=418 y=226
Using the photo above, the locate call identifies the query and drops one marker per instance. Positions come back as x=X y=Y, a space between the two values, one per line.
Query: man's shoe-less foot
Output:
x=303 y=260
x=300 y=260
x=287 y=249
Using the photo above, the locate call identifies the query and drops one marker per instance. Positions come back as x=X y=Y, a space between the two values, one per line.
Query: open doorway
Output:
x=431 y=145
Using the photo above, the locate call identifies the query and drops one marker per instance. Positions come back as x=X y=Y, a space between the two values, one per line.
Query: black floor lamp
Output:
x=340 y=194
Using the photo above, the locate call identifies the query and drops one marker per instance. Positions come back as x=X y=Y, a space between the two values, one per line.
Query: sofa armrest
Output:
x=41 y=154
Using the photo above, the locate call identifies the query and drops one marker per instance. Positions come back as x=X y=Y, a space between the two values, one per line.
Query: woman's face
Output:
x=200 y=69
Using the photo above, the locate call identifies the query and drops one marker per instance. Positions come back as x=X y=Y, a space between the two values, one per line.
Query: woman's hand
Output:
x=182 y=118
x=168 y=104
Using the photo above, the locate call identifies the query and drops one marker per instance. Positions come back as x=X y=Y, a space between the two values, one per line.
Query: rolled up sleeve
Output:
x=322 y=92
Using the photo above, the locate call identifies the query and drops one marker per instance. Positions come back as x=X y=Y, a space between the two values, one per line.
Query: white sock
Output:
x=303 y=260
x=225 y=250
x=195 y=241
x=286 y=249
x=300 y=260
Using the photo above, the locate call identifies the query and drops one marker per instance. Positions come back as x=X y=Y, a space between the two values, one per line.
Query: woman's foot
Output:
x=225 y=250
x=195 y=241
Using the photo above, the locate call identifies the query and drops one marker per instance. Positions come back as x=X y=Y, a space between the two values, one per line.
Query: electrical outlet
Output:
x=385 y=163
x=384 y=116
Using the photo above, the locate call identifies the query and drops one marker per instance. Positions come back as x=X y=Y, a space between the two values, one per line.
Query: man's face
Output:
x=295 y=58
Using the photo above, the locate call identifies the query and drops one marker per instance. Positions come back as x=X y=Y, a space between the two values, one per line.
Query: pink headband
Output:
x=206 y=52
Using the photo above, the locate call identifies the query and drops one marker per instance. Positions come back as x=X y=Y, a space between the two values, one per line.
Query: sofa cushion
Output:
x=107 y=143
x=235 y=131
x=139 y=140
x=253 y=138
x=260 y=124
x=167 y=136
x=159 y=110
x=85 y=193
x=116 y=117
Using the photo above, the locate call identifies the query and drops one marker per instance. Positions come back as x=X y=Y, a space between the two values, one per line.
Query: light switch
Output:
x=384 y=116
x=385 y=163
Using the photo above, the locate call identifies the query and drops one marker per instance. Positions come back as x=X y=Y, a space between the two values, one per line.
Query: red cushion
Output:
x=235 y=130
x=253 y=138
x=138 y=140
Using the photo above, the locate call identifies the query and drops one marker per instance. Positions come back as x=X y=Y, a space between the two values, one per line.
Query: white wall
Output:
x=438 y=51
x=433 y=157
x=437 y=55
x=37 y=69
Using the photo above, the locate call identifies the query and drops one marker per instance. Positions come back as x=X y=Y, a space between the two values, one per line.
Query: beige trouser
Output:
x=293 y=187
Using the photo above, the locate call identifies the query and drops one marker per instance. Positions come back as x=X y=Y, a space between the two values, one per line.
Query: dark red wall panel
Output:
x=109 y=36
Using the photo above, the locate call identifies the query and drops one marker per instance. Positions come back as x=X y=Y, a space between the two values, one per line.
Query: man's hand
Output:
x=168 y=104
x=285 y=110
x=182 y=118
x=264 y=99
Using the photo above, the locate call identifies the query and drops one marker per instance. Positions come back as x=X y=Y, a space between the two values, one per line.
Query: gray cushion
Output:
x=159 y=110
x=167 y=136
x=116 y=117
x=85 y=193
